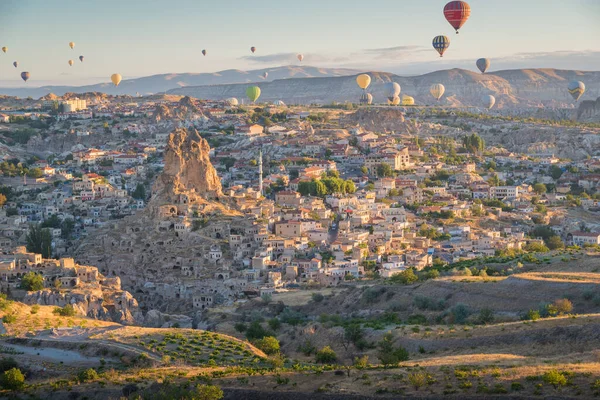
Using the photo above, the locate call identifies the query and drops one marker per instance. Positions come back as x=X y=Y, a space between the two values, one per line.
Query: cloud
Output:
x=396 y=53
x=271 y=58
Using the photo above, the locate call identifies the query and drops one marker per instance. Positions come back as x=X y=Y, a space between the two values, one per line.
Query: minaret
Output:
x=260 y=173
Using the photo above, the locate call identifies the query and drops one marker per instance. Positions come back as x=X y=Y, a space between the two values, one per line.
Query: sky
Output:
x=146 y=37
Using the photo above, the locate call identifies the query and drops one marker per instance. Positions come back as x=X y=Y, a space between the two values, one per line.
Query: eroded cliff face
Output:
x=188 y=170
x=589 y=111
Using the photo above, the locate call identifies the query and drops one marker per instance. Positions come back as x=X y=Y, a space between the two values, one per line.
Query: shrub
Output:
x=361 y=362
x=240 y=327
x=87 y=375
x=417 y=379
x=533 y=315
x=34 y=309
x=12 y=379
x=460 y=313
x=555 y=378
x=326 y=355
x=307 y=348
x=274 y=324
x=560 y=306
x=256 y=331
x=317 y=297
x=268 y=344
x=9 y=319
x=486 y=316
x=389 y=354
x=7 y=363
x=66 y=311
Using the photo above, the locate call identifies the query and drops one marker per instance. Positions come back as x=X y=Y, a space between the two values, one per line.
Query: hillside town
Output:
x=325 y=199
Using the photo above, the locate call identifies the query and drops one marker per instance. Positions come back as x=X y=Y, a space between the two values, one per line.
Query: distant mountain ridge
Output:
x=512 y=88
x=164 y=82
x=305 y=84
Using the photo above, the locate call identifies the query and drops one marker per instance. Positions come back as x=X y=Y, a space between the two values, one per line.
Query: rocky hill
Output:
x=161 y=253
x=589 y=111
x=512 y=88
x=162 y=83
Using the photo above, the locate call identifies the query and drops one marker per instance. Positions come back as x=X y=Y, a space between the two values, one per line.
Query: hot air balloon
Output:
x=576 y=88
x=253 y=93
x=483 y=64
x=71 y=63
x=265 y=75
x=441 y=43
x=437 y=90
x=457 y=13
x=395 y=101
x=116 y=79
x=363 y=81
x=5 y=49
x=25 y=76
x=72 y=45
x=366 y=98
x=408 y=101
x=300 y=57
x=392 y=89
x=232 y=101
x=16 y=64
x=203 y=52
x=252 y=49
x=488 y=101
x=81 y=58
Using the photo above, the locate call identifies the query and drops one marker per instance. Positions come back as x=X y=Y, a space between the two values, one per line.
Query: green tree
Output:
x=320 y=190
x=32 y=282
x=139 y=192
x=349 y=186
x=554 y=242
x=474 y=143
x=66 y=228
x=389 y=354
x=384 y=170
x=364 y=170
x=13 y=379
x=208 y=392
x=555 y=172
x=268 y=344
x=39 y=240
x=406 y=277
x=35 y=173
x=87 y=375
x=539 y=188
x=555 y=378
x=326 y=355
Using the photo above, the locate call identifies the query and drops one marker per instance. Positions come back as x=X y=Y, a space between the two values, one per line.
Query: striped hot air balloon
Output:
x=577 y=89
x=366 y=98
x=437 y=90
x=408 y=100
x=441 y=44
x=483 y=64
x=457 y=13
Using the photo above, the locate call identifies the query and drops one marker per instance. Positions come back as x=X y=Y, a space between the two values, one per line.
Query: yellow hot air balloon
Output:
x=363 y=81
x=116 y=79
x=408 y=101
x=437 y=90
x=72 y=45
x=71 y=63
x=5 y=49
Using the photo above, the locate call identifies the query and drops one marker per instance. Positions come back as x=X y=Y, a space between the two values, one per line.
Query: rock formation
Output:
x=187 y=172
x=589 y=111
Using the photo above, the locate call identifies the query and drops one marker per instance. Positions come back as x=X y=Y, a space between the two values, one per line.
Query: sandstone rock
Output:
x=188 y=170
x=589 y=111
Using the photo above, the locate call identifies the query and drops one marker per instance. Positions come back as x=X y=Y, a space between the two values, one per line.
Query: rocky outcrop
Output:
x=376 y=119
x=589 y=111
x=188 y=171
x=156 y=319
x=117 y=306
